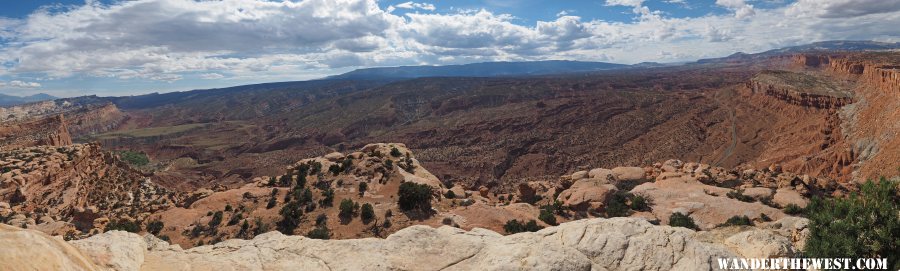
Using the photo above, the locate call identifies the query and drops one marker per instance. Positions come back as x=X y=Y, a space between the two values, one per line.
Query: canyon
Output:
x=590 y=168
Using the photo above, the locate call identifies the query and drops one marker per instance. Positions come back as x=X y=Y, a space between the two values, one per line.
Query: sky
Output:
x=114 y=47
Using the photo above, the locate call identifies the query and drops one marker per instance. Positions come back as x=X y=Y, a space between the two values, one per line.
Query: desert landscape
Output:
x=792 y=152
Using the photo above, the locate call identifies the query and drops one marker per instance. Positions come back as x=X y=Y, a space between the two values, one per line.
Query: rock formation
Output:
x=591 y=244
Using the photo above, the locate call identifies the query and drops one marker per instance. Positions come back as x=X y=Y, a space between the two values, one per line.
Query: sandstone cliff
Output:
x=592 y=244
x=52 y=131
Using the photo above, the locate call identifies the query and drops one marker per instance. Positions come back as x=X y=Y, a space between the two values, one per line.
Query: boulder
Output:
x=785 y=196
x=587 y=194
x=760 y=244
x=758 y=193
x=33 y=250
x=578 y=175
x=601 y=173
x=116 y=250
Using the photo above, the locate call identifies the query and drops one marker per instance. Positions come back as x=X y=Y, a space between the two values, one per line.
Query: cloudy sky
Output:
x=77 y=47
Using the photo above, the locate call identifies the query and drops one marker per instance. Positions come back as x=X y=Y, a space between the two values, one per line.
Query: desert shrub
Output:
x=363 y=186
x=389 y=164
x=367 y=212
x=547 y=216
x=640 y=203
x=271 y=203
x=682 y=220
x=346 y=208
x=134 y=158
x=617 y=206
x=793 y=209
x=863 y=225
x=235 y=219
x=123 y=225
x=513 y=226
x=739 y=195
x=321 y=220
x=216 y=219
x=335 y=169
x=395 y=152
x=228 y=208
x=764 y=217
x=737 y=221
x=319 y=233
x=245 y=229
x=291 y=214
x=450 y=194
x=327 y=197
x=154 y=227
x=413 y=196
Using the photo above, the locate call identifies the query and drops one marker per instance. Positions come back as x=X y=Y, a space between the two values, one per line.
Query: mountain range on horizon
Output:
x=11 y=100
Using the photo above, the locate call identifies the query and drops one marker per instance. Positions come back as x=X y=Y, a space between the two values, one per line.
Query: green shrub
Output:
x=228 y=208
x=291 y=214
x=327 y=197
x=793 y=209
x=682 y=220
x=547 y=216
x=863 y=225
x=367 y=212
x=363 y=186
x=235 y=219
x=272 y=202
x=737 y=221
x=532 y=226
x=395 y=152
x=640 y=203
x=321 y=220
x=123 y=225
x=346 y=208
x=413 y=196
x=617 y=207
x=450 y=194
x=513 y=226
x=154 y=227
x=216 y=219
x=764 y=217
x=319 y=233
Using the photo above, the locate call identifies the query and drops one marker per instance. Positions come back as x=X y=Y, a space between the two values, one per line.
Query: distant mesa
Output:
x=10 y=100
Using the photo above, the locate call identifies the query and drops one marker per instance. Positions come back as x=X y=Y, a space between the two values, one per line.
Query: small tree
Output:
x=346 y=208
x=450 y=194
x=291 y=214
x=395 y=152
x=367 y=212
x=363 y=186
x=513 y=226
x=413 y=196
x=681 y=220
x=327 y=197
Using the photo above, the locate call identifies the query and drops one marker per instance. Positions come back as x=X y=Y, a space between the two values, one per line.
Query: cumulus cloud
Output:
x=741 y=9
x=167 y=40
x=19 y=84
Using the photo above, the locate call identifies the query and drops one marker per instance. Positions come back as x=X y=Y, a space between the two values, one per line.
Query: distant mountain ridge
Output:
x=834 y=45
x=10 y=100
x=483 y=69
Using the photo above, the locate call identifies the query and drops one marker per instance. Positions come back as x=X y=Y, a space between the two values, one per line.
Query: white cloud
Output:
x=19 y=84
x=741 y=9
x=414 y=5
x=167 y=40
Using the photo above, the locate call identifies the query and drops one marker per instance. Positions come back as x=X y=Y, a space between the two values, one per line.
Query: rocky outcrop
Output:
x=593 y=244
x=76 y=184
x=799 y=89
x=52 y=131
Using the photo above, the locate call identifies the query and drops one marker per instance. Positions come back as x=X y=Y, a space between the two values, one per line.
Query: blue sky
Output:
x=73 y=48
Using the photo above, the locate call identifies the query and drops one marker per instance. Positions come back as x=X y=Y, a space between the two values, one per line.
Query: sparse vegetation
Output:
x=450 y=194
x=739 y=195
x=395 y=152
x=682 y=220
x=793 y=209
x=319 y=233
x=347 y=209
x=134 y=158
x=737 y=221
x=123 y=225
x=216 y=219
x=547 y=216
x=363 y=186
x=514 y=226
